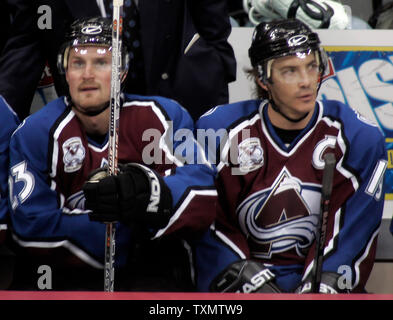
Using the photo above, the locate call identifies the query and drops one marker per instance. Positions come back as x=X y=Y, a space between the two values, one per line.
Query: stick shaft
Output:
x=327 y=186
x=109 y=269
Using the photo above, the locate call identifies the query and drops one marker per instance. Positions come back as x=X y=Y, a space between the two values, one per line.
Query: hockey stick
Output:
x=327 y=185
x=109 y=268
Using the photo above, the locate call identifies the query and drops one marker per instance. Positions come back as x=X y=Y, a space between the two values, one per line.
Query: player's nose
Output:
x=88 y=71
x=304 y=78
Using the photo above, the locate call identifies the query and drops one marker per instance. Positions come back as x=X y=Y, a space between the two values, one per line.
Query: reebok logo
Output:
x=297 y=40
x=92 y=30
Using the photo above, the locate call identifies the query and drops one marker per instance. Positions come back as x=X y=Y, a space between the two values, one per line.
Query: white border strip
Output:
x=64 y=243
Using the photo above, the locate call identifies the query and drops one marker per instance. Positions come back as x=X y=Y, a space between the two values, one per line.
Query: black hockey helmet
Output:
x=280 y=38
x=96 y=31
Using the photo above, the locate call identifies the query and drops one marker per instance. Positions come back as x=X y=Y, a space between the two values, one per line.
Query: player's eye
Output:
x=313 y=67
x=288 y=71
x=77 y=64
x=288 y=74
x=102 y=63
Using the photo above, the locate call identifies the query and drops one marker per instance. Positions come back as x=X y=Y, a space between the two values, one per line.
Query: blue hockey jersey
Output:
x=269 y=193
x=9 y=122
x=51 y=157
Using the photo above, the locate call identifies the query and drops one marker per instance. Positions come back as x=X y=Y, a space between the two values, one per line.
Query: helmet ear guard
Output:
x=265 y=70
x=62 y=59
x=323 y=62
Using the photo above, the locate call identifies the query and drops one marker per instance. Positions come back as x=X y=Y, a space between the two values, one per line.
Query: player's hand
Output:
x=329 y=284
x=135 y=195
x=101 y=196
x=245 y=276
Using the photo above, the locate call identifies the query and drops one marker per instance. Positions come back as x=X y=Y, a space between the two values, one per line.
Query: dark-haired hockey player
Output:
x=153 y=197
x=270 y=166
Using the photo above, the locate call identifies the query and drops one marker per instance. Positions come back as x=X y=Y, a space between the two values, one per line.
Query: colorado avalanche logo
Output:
x=250 y=155
x=281 y=218
x=74 y=154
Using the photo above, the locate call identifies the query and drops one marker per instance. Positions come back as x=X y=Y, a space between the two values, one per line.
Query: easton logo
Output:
x=92 y=30
x=297 y=40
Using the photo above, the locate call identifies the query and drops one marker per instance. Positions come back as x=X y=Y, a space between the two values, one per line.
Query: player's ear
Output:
x=261 y=84
x=67 y=77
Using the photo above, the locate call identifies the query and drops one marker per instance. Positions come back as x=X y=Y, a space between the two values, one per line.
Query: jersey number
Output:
x=20 y=174
x=374 y=187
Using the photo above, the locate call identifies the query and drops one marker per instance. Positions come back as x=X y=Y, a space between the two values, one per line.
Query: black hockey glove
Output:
x=245 y=276
x=329 y=284
x=135 y=195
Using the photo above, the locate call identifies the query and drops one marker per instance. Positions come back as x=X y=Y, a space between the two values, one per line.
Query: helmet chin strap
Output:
x=277 y=109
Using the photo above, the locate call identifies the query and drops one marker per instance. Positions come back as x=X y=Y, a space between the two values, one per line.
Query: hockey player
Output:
x=270 y=167
x=57 y=155
x=9 y=122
